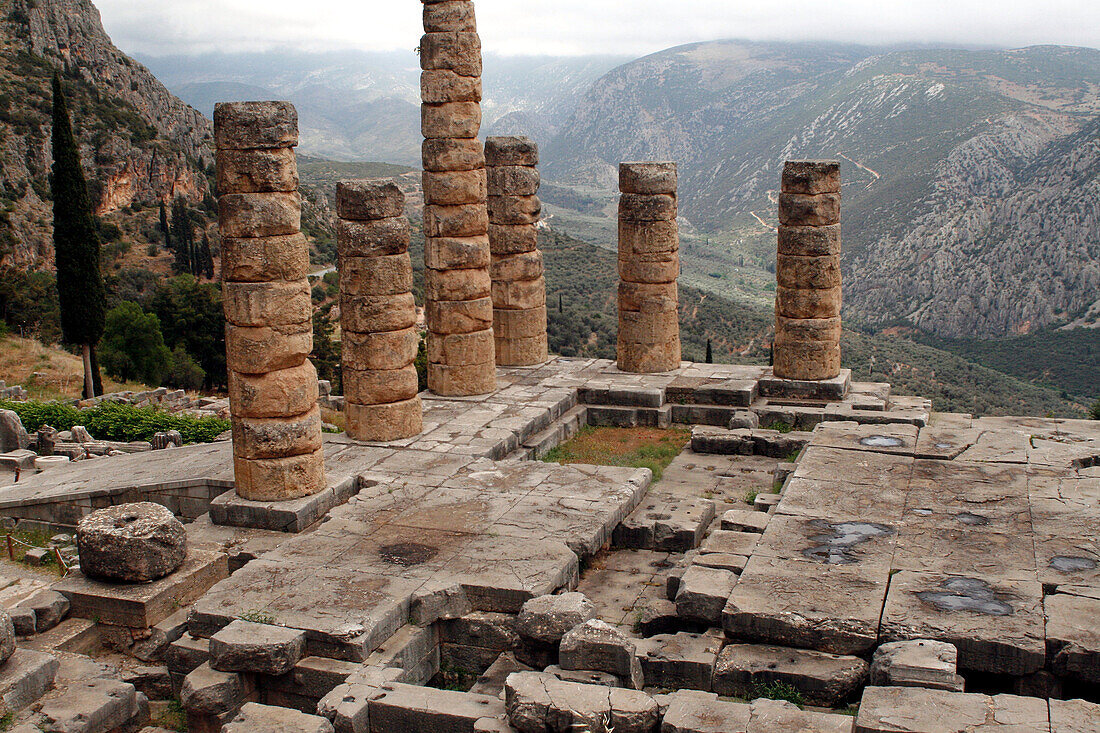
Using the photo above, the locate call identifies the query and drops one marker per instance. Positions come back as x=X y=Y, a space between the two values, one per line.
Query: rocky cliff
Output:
x=139 y=143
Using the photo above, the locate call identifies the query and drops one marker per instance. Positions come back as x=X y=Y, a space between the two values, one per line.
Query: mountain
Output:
x=365 y=106
x=970 y=196
x=140 y=144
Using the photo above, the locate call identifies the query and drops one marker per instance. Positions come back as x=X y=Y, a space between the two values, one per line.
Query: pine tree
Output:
x=206 y=259
x=81 y=292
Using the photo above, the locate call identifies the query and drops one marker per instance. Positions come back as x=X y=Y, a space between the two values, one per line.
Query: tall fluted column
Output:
x=808 y=293
x=461 y=355
x=649 y=263
x=519 y=287
x=277 y=451
x=377 y=312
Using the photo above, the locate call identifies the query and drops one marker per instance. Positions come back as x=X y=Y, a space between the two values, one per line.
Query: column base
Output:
x=295 y=515
x=834 y=389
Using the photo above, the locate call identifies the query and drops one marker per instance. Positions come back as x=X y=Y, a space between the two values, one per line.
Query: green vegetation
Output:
x=133 y=347
x=115 y=421
x=257 y=617
x=777 y=691
x=1094 y=411
x=170 y=716
x=652 y=448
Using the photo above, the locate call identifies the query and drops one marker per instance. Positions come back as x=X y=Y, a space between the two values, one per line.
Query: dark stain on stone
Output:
x=1070 y=564
x=966 y=594
x=407 y=554
x=882 y=441
x=974 y=520
x=837 y=547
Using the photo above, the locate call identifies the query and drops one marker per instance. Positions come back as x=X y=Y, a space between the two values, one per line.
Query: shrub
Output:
x=1094 y=411
x=116 y=421
x=133 y=347
x=185 y=372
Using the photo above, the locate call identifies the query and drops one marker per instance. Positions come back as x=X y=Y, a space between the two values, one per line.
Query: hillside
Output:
x=140 y=145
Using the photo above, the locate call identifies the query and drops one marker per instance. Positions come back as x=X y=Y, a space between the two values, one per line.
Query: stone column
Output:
x=377 y=312
x=277 y=451
x=458 y=303
x=808 y=293
x=649 y=263
x=519 y=288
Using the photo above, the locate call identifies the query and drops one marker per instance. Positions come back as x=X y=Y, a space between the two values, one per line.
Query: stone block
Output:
x=703 y=592
x=514 y=210
x=376 y=275
x=452 y=154
x=648 y=327
x=797 y=209
x=274 y=394
x=525 y=266
x=457 y=51
x=514 y=324
x=254 y=717
x=517 y=150
x=277 y=437
x=13 y=436
x=255 y=125
x=807 y=302
x=257 y=171
x=647 y=358
x=261 y=259
x=805 y=241
x=646 y=238
x=513 y=180
x=636 y=270
x=384 y=422
x=538 y=702
x=25 y=677
x=527 y=351
x=917 y=710
x=596 y=645
x=648 y=297
x=1073 y=716
x=462 y=381
x=401 y=708
x=459 y=316
x=23 y=623
x=823 y=679
x=456 y=253
x=452 y=188
x=454 y=285
x=97 y=704
x=375 y=313
x=450 y=15
x=491 y=681
x=132 y=543
x=259 y=214
x=442 y=86
x=518 y=294
x=744 y=520
x=495 y=631
x=679 y=661
x=548 y=618
x=811 y=177
x=50 y=608
x=806 y=360
x=460 y=349
x=244 y=646
x=209 y=692
x=637 y=207
x=381 y=350
x=648 y=178
x=1072 y=637
x=794 y=330
x=509 y=239
x=267 y=303
x=280 y=479
x=371 y=238
x=797 y=271
x=269 y=348
x=450 y=120
x=379 y=386
x=367 y=200
x=917 y=663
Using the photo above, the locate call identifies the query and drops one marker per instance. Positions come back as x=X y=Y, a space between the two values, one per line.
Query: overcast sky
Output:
x=159 y=27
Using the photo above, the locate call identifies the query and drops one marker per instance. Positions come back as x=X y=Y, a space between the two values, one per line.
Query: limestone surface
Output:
x=132 y=543
x=244 y=646
x=549 y=618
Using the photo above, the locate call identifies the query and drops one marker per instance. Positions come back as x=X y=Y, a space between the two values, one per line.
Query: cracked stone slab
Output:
x=1067 y=547
x=822 y=678
x=851 y=542
x=853 y=467
x=964 y=545
x=539 y=702
x=890 y=438
x=1073 y=716
x=831 y=608
x=1073 y=636
x=997 y=625
x=918 y=710
x=840 y=500
x=944 y=442
x=679 y=661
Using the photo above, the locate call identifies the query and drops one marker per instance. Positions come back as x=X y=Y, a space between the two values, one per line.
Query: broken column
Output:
x=377 y=312
x=519 y=287
x=808 y=293
x=458 y=303
x=649 y=263
x=277 y=451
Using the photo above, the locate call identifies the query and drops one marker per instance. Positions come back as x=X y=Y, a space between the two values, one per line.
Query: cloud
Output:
x=593 y=26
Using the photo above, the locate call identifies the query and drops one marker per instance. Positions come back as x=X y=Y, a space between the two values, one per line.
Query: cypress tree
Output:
x=710 y=353
x=80 y=288
x=206 y=258
x=164 y=224
x=183 y=238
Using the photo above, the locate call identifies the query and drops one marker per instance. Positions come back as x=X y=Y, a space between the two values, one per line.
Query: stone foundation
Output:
x=269 y=331
x=377 y=312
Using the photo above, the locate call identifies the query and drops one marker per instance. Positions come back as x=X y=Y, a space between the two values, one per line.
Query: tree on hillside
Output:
x=205 y=259
x=163 y=224
x=80 y=288
x=183 y=238
x=191 y=315
x=133 y=347
x=326 y=352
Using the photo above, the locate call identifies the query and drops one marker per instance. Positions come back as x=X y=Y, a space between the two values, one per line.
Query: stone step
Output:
x=665 y=523
x=622 y=396
x=630 y=417
x=25 y=677
x=747 y=442
x=822 y=679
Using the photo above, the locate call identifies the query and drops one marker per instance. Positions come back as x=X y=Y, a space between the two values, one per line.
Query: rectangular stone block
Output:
x=457 y=51
x=916 y=710
x=525 y=266
x=803 y=241
x=442 y=86
x=456 y=253
x=472 y=284
x=513 y=180
x=650 y=297
x=648 y=237
x=262 y=259
x=275 y=437
x=367 y=200
x=384 y=422
x=820 y=273
x=255 y=125
x=453 y=188
x=377 y=275
x=522 y=351
x=379 y=386
x=279 y=479
x=514 y=210
x=519 y=294
x=467 y=220
x=648 y=328
x=459 y=316
x=822 y=678
x=638 y=207
x=807 y=302
x=646 y=358
x=278 y=303
x=246 y=646
x=280 y=393
x=460 y=349
x=791 y=330
x=448 y=16
x=445 y=154
x=1073 y=642
x=680 y=661
x=648 y=178
x=450 y=120
x=372 y=238
x=381 y=350
x=509 y=239
x=259 y=214
x=266 y=349
x=462 y=381
x=811 y=360
x=811 y=176
x=510 y=324
x=373 y=313
x=636 y=270
x=257 y=171
x=515 y=150
x=797 y=209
